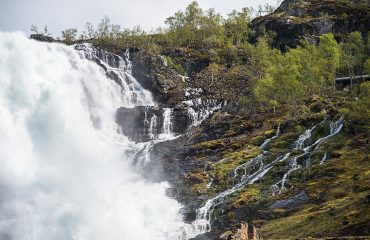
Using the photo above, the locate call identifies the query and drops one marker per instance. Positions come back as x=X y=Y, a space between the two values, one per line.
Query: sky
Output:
x=19 y=15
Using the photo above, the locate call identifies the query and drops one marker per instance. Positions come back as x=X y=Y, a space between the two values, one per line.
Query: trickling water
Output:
x=335 y=128
x=267 y=141
x=323 y=159
x=299 y=143
x=199 y=110
x=203 y=220
x=65 y=171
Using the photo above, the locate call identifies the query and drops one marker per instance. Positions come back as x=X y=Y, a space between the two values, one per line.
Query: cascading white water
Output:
x=153 y=127
x=167 y=124
x=132 y=93
x=203 y=109
x=65 y=171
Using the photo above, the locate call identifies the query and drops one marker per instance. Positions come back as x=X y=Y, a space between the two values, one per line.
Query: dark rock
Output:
x=42 y=38
x=292 y=202
x=208 y=236
x=151 y=72
x=294 y=21
x=133 y=122
x=136 y=122
x=193 y=61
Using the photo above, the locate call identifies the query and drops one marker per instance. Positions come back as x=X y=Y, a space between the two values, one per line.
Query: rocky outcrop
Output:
x=246 y=232
x=151 y=71
x=145 y=123
x=296 y=20
x=42 y=38
x=193 y=61
x=299 y=199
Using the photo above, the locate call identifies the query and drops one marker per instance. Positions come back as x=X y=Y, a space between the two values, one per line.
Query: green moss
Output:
x=214 y=144
x=248 y=194
x=223 y=172
x=245 y=154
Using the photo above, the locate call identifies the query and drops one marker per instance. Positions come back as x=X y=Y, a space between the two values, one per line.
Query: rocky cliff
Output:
x=297 y=20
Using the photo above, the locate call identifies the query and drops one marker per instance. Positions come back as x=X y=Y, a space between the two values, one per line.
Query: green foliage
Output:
x=299 y=73
x=195 y=26
x=367 y=66
x=263 y=56
x=329 y=61
x=154 y=49
x=360 y=109
x=69 y=35
x=237 y=26
x=352 y=54
x=214 y=69
x=228 y=54
x=177 y=67
x=310 y=70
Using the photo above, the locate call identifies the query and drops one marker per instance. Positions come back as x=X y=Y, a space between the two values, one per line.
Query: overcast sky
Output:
x=62 y=14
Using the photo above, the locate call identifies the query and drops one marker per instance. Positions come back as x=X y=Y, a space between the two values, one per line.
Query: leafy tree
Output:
x=264 y=91
x=245 y=53
x=195 y=26
x=367 y=66
x=280 y=85
x=329 y=59
x=263 y=56
x=360 y=110
x=237 y=26
x=352 y=54
x=228 y=54
x=211 y=27
x=103 y=30
x=310 y=75
x=214 y=69
x=69 y=35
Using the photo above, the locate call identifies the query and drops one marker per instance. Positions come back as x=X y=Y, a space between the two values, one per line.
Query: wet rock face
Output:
x=193 y=61
x=153 y=74
x=292 y=202
x=102 y=57
x=132 y=122
x=142 y=124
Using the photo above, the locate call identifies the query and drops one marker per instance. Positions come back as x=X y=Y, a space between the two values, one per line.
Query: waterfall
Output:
x=120 y=69
x=153 y=126
x=65 y=170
